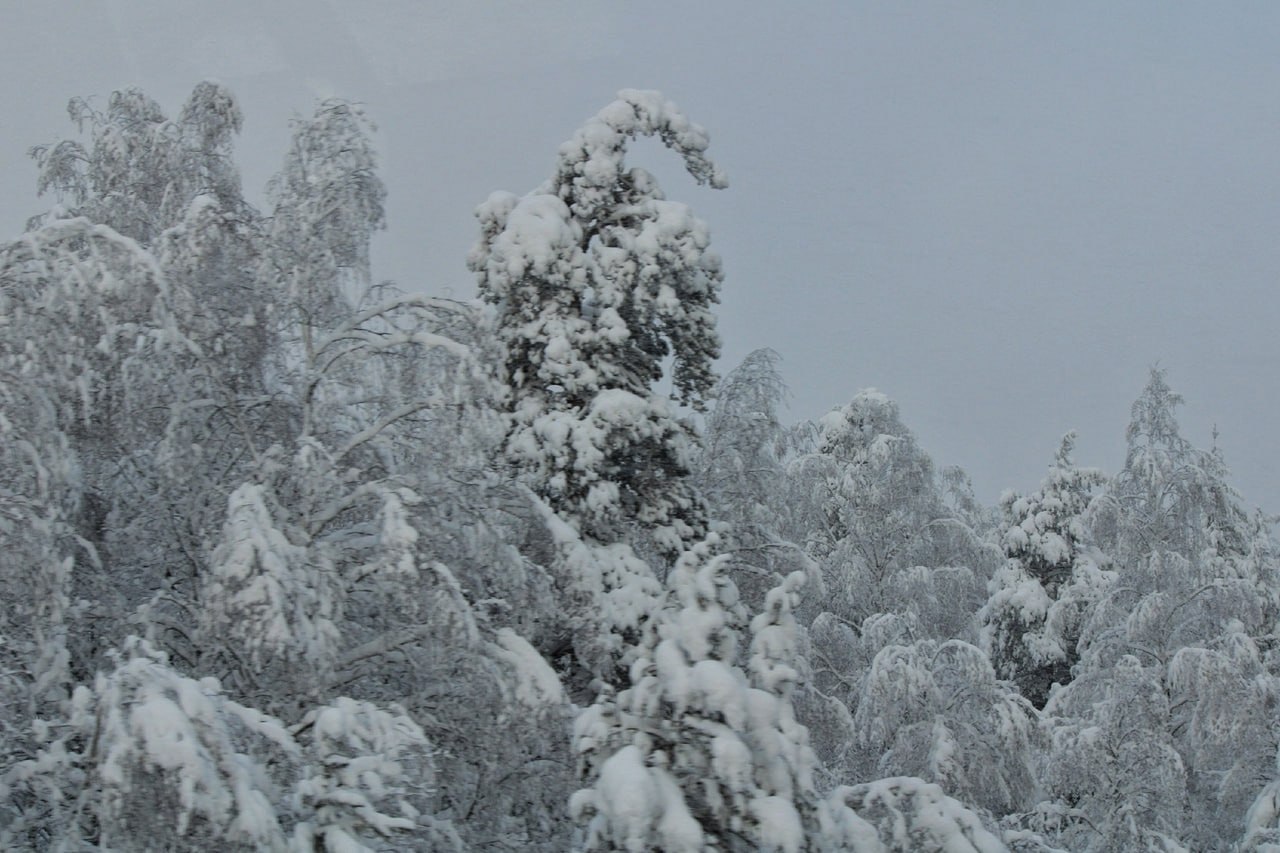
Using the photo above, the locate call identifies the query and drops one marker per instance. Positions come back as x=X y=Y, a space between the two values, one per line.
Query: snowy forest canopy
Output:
x=295 y=560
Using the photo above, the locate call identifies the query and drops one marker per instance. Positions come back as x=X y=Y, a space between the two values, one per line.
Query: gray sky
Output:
x=1000 y=214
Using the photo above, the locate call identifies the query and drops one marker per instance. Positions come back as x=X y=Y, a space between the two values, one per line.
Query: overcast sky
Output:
x=999 y=214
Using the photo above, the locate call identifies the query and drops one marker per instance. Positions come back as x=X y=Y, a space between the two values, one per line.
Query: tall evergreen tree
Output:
x=1031 y=622
x=597 y=280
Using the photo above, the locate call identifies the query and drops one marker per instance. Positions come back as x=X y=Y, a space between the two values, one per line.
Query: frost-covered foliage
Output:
x=744 y=443
x=1170 y=496
x=937 y=712
x=221 y=435
x=295 y=561
x=368 y=778
x=741 y=473
x=1031 y=622
x=149 y=756
x=1222 y=715
x=904 y=815
x=142 y=169
x=873 y=508
x=1114 y=778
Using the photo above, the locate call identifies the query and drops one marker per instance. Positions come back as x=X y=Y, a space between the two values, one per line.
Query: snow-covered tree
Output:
x=873 y=508
x=1262 y=821
x=141 y=170
x=741 y=473
x=368 y=779
x=40 y=492
x=142 y=267
x=1175 y=630
x=39 y=495
x=150 y=759
x=597 y=280
x=1222 y=720
x=697 y=754
x=937 y=712
x=1190 y=636
x=1030 y=628
x=1169 y=496
x=276 y=603
x=93 y=332
x=744 y=441
x=149 y=756
x=1114 y=778
x=327 y=200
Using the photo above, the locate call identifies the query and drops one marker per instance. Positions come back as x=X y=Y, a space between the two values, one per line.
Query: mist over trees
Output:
x=294 y=559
